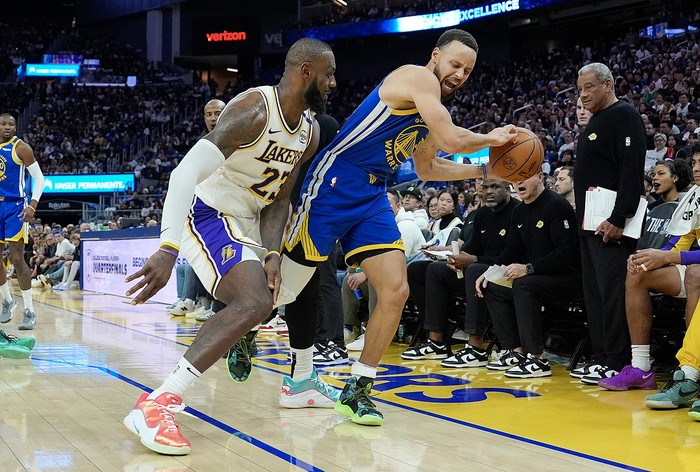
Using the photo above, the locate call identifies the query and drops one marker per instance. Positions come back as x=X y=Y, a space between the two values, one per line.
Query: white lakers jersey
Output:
x=250 y=178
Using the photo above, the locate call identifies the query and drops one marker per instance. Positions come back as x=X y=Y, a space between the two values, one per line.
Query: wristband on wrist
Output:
x=271 y=254
x=483 y=171
x=168 y=250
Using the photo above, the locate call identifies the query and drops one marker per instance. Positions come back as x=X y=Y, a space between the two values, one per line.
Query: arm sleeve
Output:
x=38 y=178
x=199 y=163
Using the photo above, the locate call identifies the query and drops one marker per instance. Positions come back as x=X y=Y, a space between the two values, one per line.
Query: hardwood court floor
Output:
x=62 y=409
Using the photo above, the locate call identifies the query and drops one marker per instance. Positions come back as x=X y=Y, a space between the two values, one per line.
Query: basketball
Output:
x=517 y=161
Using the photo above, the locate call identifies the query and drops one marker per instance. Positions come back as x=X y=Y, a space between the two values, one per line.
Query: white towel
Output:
x=686 y=218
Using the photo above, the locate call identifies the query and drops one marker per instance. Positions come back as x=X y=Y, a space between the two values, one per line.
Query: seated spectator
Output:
x=71 y=267
x=544 y=266
x=447 y=220
x=669 y=179
x=413 y=202
x=439 y=283
x=433 y=212
x=673 y=270
x=564 y=185
x=658 y=153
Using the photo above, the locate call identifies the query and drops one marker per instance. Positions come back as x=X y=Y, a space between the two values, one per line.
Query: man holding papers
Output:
x=611 y=154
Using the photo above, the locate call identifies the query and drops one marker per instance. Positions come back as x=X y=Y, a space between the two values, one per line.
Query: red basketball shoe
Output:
x=153 y=422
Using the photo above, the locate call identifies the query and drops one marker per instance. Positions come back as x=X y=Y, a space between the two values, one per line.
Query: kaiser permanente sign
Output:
x=408 y=23
x=106 y=183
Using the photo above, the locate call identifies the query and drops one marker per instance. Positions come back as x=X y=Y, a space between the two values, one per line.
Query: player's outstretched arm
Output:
x=418 y=86
x=273 y=217
x=242 y=121
x=26 y=155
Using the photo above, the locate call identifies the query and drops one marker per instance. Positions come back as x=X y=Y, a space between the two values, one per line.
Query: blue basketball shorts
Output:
x=342 y=203
x=12 y=228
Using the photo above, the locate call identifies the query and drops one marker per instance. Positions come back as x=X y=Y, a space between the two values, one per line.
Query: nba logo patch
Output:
x=566 y=224
x=302 y=137
x=333 y=181
x=628 y=141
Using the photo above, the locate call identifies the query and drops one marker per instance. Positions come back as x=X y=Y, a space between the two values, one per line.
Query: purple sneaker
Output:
x=630 y=377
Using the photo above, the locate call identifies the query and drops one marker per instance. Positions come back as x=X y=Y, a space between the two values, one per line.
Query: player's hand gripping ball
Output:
x=517 y=161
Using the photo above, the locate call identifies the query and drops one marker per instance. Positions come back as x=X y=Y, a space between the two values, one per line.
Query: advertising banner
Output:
x=105 y=263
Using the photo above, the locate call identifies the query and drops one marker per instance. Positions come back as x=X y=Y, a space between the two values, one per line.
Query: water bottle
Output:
x=401 y=331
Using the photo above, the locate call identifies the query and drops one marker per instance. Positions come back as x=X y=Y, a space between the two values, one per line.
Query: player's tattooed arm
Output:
x=242 y=121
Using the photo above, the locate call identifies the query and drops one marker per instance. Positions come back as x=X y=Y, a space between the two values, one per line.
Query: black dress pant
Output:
x=516 y=312
x=441 y=285
x=604 y=269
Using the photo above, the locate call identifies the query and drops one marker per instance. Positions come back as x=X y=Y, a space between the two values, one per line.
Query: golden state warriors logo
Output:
x=405 y=144
x=227 y=253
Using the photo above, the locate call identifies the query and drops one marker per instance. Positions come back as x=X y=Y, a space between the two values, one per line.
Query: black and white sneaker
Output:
x=604 y=372
x=529 y=368
x=467 y=357
x=427 y=350
x=332 y=354
x=585 y=370
x=507 y=360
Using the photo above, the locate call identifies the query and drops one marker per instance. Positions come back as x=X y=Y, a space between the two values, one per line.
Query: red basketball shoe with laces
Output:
x=154 y=423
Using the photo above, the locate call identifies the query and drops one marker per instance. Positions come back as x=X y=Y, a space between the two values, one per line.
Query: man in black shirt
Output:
x=489 y=227
x=544 y=266
x=611 y=154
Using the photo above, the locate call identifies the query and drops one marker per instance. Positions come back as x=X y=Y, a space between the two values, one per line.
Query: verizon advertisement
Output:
x=106 y=263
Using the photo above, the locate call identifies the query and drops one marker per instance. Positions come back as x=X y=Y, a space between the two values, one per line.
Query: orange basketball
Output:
x=517 y=161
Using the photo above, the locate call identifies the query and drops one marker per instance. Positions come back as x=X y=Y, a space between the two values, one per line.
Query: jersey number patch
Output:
x=270 y=176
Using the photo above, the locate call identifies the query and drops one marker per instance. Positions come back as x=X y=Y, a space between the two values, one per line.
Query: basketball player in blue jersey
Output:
x=344 y=199
x=227 y=210
x=16 y=159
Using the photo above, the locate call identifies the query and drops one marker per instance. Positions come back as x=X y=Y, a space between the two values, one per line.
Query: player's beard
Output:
x=437 y=73
x=314 y=98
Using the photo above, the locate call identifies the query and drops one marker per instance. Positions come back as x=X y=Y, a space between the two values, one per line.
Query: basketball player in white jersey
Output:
x=231 y=195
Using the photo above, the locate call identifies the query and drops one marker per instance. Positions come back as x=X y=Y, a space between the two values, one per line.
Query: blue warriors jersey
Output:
x=13 y=178
x=377 y=138
x=345 y=189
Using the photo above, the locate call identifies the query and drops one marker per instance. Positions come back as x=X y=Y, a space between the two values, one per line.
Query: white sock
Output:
x=690 y=373
x=363 y=370
x=302 y=363
x=640 y=357
x=5 y=292
x=27 y=297
x=179 y=380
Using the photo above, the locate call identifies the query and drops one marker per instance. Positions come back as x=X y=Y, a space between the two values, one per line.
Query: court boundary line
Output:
x=485 y=429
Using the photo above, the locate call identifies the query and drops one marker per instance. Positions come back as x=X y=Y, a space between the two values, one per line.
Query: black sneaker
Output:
x=581 y=372
x=604 y=372
x=467 y=357
x=530 y=367
x=506 y=360
x=427 y=350
x=239 y=357
x=331 y=354
x=356 y=404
